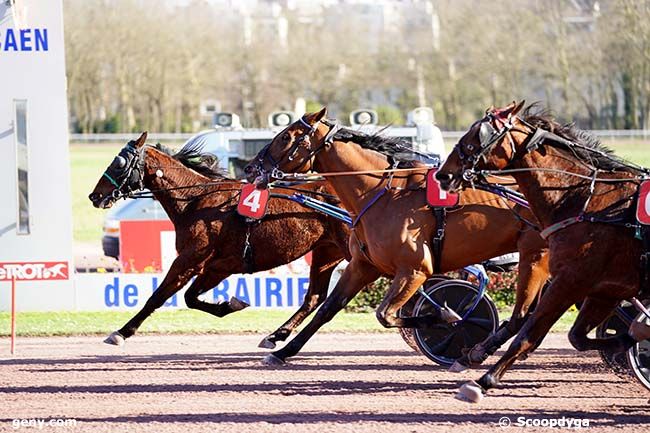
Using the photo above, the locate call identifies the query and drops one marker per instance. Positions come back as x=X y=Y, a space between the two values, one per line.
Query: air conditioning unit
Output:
x=281 y=119
x=226 y=120
x=364 y=117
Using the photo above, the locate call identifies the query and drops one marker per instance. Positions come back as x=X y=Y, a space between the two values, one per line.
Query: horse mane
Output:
x=191 y=155
x=589 y=149
x=396 y=148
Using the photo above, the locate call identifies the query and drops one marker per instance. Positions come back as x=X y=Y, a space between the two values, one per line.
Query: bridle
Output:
x=489 y=136
x=126 y=172
x=302 y=140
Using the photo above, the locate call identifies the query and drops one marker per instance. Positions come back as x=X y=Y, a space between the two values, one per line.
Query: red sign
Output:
x=436 y=196
x=34 y=271
x=140 y=244
x=643 y=204
x=253 y=202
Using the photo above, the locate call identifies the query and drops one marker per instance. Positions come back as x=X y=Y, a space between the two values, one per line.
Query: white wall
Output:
x=35 y=72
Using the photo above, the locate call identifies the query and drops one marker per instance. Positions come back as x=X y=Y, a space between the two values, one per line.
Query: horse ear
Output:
x=518 y=107
x=142 y=140
x=316 y=117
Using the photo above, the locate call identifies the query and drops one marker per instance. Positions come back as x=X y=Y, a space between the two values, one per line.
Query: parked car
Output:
x=140 y=209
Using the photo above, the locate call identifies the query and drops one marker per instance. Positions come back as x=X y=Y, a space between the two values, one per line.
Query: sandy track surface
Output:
x=340 y=383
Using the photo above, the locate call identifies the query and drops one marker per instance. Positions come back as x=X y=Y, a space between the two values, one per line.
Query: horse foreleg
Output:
x=205 y=282
x=356 y=276
x=180 y=272
x=532 y=274
x=551 y=307
x=592 y=313
x=324 y=260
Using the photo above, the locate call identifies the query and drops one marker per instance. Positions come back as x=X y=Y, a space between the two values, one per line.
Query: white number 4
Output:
x=253 y=200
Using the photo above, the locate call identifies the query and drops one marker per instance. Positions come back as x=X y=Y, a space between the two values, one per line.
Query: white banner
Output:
x=96 y=292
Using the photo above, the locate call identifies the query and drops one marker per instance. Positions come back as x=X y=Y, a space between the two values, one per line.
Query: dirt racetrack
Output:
x=340 y=383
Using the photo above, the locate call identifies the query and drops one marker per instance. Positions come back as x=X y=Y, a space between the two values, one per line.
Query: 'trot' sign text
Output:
x=32 y=271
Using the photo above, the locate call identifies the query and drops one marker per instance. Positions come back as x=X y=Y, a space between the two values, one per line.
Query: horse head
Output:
x=292 y=150
x=487 y=145
x=123 y=176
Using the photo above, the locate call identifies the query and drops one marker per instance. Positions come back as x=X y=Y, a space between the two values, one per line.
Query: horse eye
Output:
x=286 y=137
x=119 y=162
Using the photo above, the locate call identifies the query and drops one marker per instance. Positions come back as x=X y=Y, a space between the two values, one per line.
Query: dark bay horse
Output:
x=395 y=227
x=211 y=235
x=584 y=198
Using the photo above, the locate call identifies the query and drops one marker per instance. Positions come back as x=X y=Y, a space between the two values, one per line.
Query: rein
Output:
x=305 y=176
x=533 y=141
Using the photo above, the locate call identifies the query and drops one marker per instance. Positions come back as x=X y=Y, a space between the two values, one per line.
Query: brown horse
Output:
x=395 y=227
x=583 y=196
x=211 y=237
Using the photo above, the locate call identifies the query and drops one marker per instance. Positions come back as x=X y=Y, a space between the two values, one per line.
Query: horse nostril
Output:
x=94 y=196
x=248 y=169
x=444 y=177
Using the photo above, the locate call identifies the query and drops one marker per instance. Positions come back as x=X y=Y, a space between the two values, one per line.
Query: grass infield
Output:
x=44 y=324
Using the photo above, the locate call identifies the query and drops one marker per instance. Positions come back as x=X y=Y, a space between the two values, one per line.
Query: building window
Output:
x=20 y=134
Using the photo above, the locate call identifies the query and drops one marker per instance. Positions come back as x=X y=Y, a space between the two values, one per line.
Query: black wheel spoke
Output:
x=482 y=323
x=442 y=345
x=464 y=304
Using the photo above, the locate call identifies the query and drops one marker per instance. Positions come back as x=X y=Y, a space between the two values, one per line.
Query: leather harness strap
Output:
x=440 y=214
x=644 y=283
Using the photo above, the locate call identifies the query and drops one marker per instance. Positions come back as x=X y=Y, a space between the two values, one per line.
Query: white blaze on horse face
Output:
x=159 y=173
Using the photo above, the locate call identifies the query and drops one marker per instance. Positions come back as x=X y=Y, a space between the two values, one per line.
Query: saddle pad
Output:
x=253 y=202
x=436 y=196
x=643 y=203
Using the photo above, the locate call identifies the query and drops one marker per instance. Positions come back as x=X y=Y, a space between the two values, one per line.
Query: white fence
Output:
x=608 y=135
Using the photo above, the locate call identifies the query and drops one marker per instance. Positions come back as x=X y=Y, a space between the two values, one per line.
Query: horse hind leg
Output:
x=592 y=313
x=319 y=279
x=205 y=282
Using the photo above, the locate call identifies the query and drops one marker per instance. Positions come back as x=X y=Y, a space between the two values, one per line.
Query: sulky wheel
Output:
x=407 y=334
x=614 y=325
x=444 y=343
x=638 y=356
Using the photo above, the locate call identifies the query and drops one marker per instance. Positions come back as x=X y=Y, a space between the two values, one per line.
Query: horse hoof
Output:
x=237 y=304
x=272 y=360
x=470 y=392
x=266 y=344
x=115 y=339
x=458 y=367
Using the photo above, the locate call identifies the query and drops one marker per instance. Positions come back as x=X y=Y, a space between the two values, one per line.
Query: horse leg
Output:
x=324 y=260
x=532 y=274
x=180 y=272
x=356 y=276
x=553 y=304
x=205 y=282
x=402 y=288
x=592 y=313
